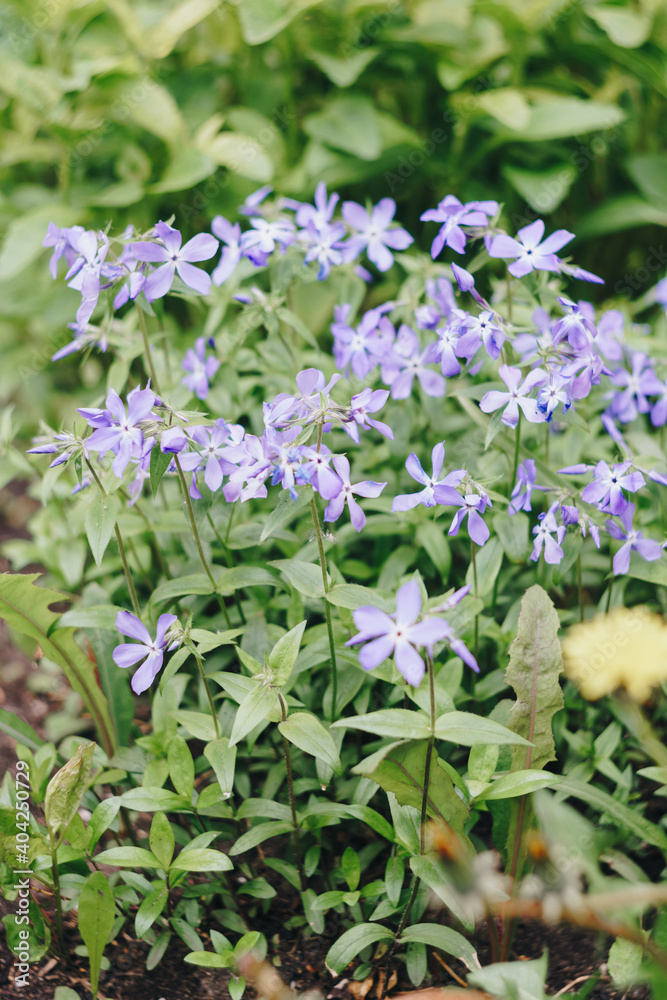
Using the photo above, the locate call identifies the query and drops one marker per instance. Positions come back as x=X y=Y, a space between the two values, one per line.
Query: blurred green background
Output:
x=122 y=111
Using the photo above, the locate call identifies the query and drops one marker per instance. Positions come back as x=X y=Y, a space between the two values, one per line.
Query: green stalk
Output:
x=197 y=540
x=473 y=560
x=214 y=716
x=147 y=352
x=327 y=608
x=580 y=592
x=121 y=546
x=229 y=559
x=509 y=296
x=517 y=445
x=292 y=800
x=60 y=934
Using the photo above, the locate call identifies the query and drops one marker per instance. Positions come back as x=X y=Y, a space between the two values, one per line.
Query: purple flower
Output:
x=447 y=348
x=398 y=634
x=230 y=236
x=201 y=368
x=574 y=326
x=373 y=233
x=516 y=397
x=557 y=391
x=452 y=214
x=633 y=541
x=636 y=385
x=211 y=452
x=406 y=361
x=324 y=245
x=471 y=505
x=486 y=329
x=407 y=501
x=317 y=467
x=268 y=234
x=367 y=488
x=531 y=254
x=362 y=348
x=429 y=316
x=365 y=402
x=250 y=206
x=525 y=484
x=175 y=259
x=63 y=242
x=122 y=431
x=544 y=532
x=149 y=650
x=85 y=273
x=606 y=489
x=321 y=213
x=659 y=408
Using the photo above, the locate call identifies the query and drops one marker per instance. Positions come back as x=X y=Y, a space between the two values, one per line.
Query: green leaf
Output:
x=351 y=867
x=161 y=840
x=348 y=123
x=394 y=877
x=222 y=759
x=25 y=608
x=23 y=237
x=622 y=814
x=354 y=941
x=288 y=871
x=649 y=171
x=440 y=880
x=518 y=783
x=65 y=791
x=263 y=19
x=535 y=664
x=399 y=723
x=65 y=993
x=150 y=909
x=468 y=730
x=305 y=577
x=308 y=733
x=96 y=616
x=625 y=963
x=285 y=511
x=198 y=724
x=283 y=655
x=99 y=521
x=352 y=596
x=128 y=857
x=266 y=808
x=194 y=584
x=444 y=938
x=343 y=71
x=152 y=799
x=210 y=960
x=507 y=105
x=626 y=27
x=19 y=730
x=246 y=576
x=103 y=816
x=97 y=910
x=259 y=833
x=159 y=464
x=555 y=117
x=201 y=860
x=181 y=766
x=543 y=190
x=156 y=954
x=253 y=709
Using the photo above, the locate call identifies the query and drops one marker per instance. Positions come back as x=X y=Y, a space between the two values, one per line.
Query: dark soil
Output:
x=300 y=961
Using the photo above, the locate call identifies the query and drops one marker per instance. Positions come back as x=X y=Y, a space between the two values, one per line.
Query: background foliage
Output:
x=143 y=110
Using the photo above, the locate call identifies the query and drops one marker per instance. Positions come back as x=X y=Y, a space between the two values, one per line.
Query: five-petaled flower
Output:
x=151 y=651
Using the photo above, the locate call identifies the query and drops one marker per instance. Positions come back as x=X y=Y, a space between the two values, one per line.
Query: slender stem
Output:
x=611 y=577
x=121 y=546
x=208 y=694
x=327 y=608
x=509 y=296
x=292 y=800
x=57 y=898
x=580 y=592
x=147 y=351
x=473 y=560
x=547 y=441
x=229 y=522
x=517 y=445
x=429 y=750
x=195 y=535
x=230 y=562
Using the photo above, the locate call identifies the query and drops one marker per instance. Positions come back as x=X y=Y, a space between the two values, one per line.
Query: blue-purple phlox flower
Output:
x=372 y=232
x=544 y=532
x=633 y=541
x=405 y=361
x=118 y=429
x=453 y=215
x=400 y=633
x=361 y=348
x=524 y=486
x=635 y=386
x=516 y=397
x=426 y=497
x=200 y=368
x=361 y=405
x=530 y=251
x=174 y=259
x=151 y=651
x=367 y=488
x=472 y=505
x=606 y=490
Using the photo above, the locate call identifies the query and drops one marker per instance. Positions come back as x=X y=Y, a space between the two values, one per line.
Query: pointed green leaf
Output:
x=99 y=521
x=201 y=859
x=399 y=723
x=444 y=938
x=309 y=735
x=468 y=730
x=222 y=759
x=354 y=941
x=283 y=655
x=151 y=907
x=96 y=916
x=128 y=857
x=158 y=466
x=66 y=790
x=161 y=840
x=253 y=709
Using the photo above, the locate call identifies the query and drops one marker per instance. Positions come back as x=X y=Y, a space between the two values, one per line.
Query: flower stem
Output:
x=197 y=539
x=121 y=546
x=509 y=296
x=292 y=800
x=208 y=693
x=473 y=560
x=517 y=445
x=580 y=592
x=57 y=898
x=147 y=352
x=327 y=608
x=230 y=561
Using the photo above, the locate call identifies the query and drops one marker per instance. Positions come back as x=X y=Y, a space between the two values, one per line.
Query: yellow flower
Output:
x=625 y=648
